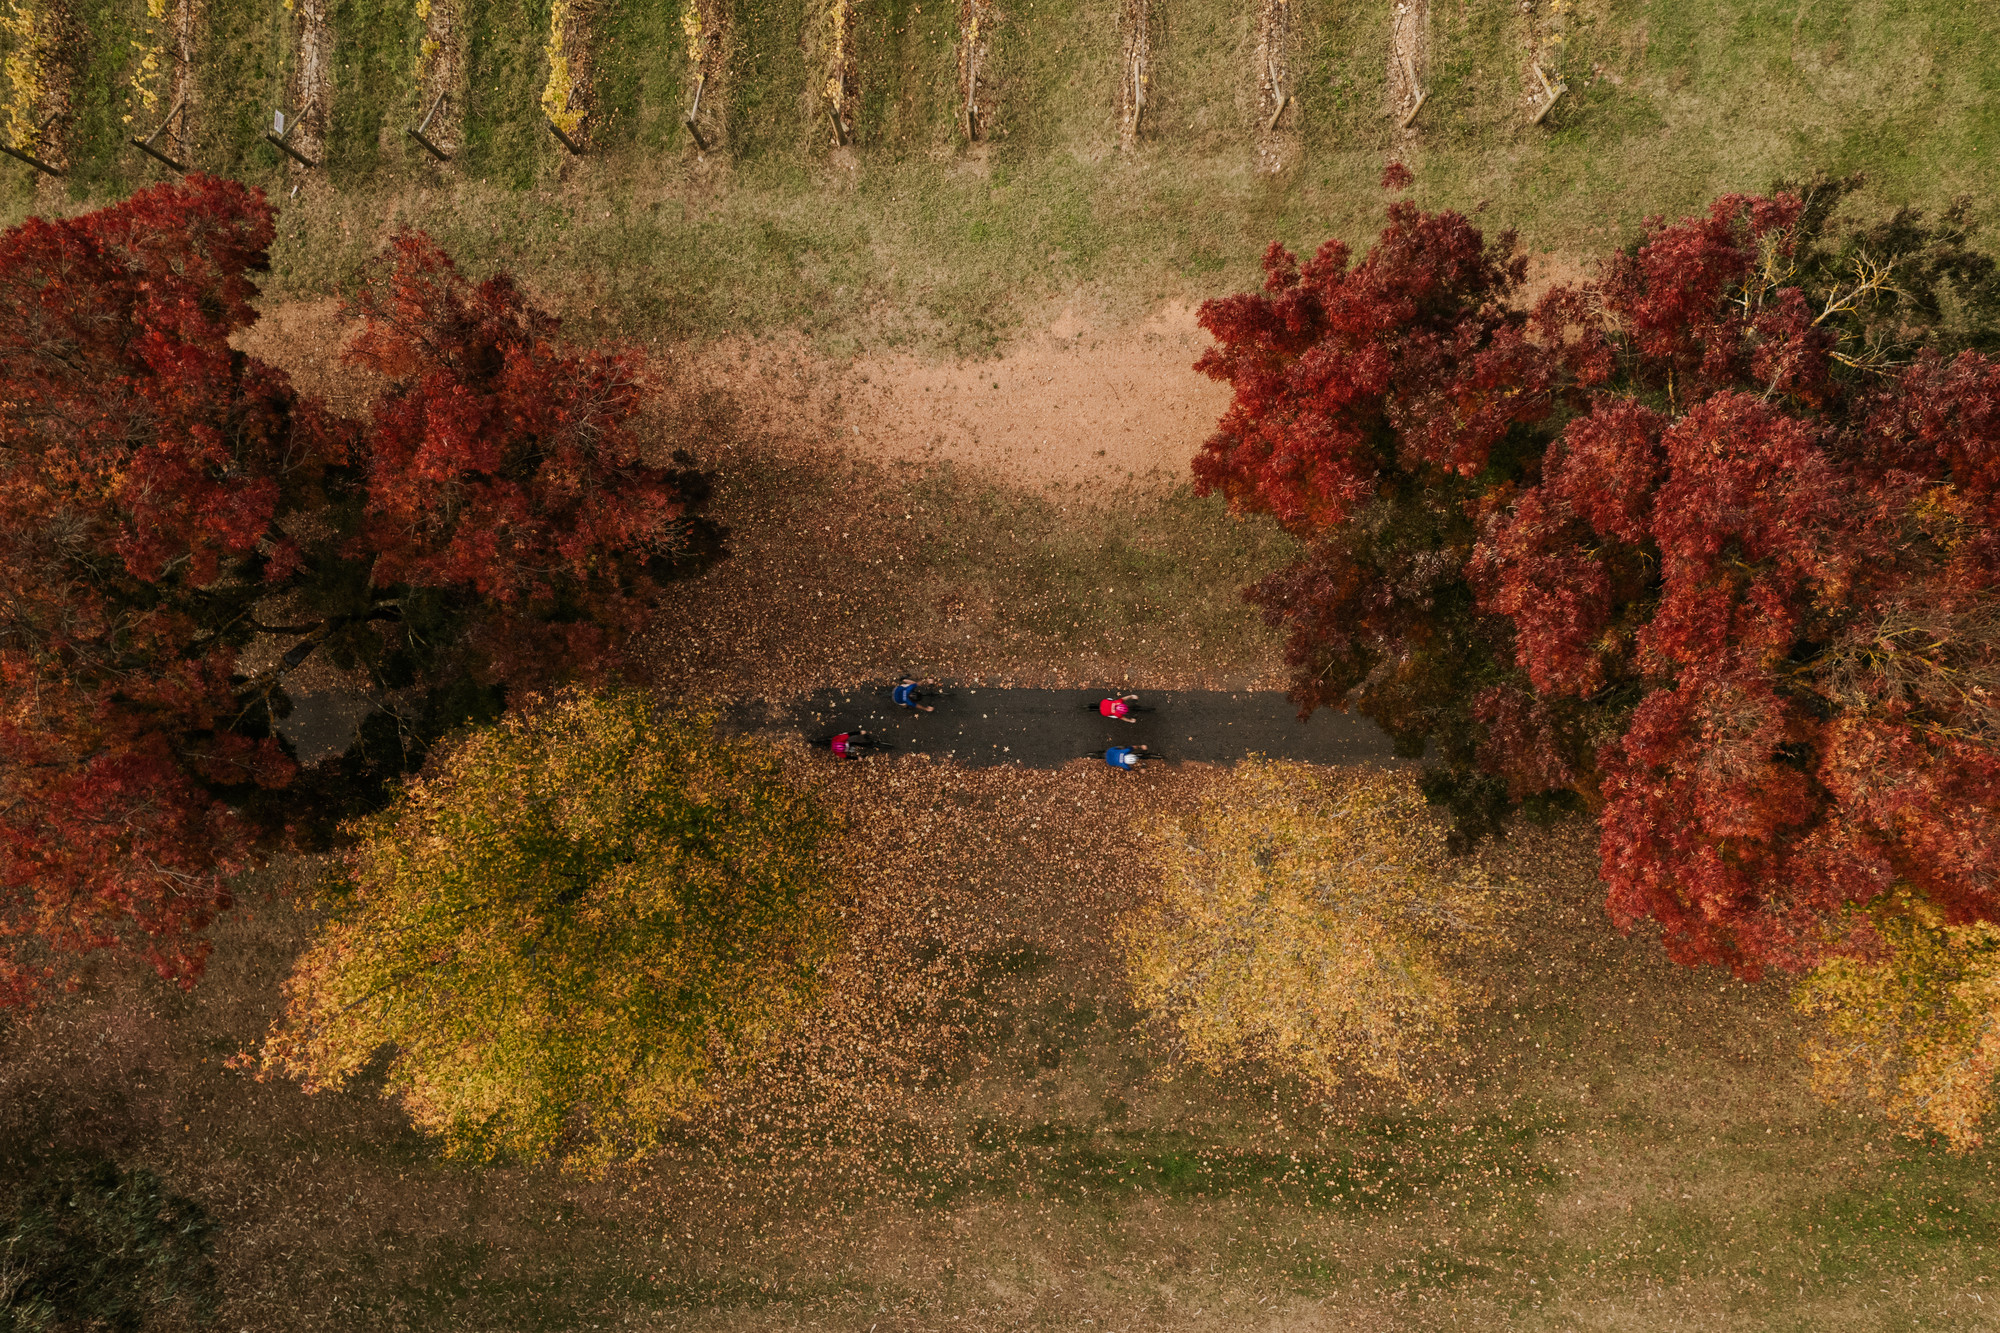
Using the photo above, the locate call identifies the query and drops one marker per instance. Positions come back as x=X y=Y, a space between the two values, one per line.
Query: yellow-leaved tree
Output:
x=566 y=930
x=1312 y=918
x=1912 y=1023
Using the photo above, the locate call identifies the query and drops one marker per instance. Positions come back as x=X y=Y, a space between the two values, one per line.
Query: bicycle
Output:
x=1118 y=707
x=853 y=744
x=909 y=693
x=1124 y=758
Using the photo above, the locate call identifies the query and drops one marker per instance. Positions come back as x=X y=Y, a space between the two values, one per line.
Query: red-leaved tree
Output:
x=167 y=500
x=1706 y=547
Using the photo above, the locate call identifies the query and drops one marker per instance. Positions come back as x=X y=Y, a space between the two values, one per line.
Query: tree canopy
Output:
x=1705 y=547
x=1658 y=544
x=566 y=930
x=1312 y=919
x=168 y=502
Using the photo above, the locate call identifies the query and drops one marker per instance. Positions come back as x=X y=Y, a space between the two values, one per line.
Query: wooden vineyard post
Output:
x=280 y=131
x=145 y=145
x=701 y=81
x=417 y=132
x=575 y=148
x=1550 y=93
x=973 y=83
x=1410 y=68
x=32 y=161
x=29 y=158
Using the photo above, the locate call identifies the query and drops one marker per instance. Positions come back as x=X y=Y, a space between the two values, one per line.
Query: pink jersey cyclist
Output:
x=851 y=744
x=1119 y=708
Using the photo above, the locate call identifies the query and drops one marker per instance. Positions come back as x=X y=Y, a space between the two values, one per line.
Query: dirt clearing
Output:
x=1074 y=410
x=890 y=513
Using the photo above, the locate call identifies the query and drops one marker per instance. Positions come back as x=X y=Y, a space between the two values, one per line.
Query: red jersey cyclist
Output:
x=1118 y=708
x=851 y=744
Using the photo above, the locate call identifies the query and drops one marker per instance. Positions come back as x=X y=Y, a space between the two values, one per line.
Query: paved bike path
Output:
x=1049 y=728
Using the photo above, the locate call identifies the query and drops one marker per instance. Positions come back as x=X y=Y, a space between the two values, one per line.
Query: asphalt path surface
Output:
x=1049 y=728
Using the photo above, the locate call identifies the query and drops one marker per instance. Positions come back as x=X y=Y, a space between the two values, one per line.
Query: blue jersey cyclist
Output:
x=908 y=694
x=1126 y=756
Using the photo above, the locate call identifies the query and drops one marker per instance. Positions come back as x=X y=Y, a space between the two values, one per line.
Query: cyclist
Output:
x=1119 y=707
x=908 y=695
x=850 y=744
x=1127 y=757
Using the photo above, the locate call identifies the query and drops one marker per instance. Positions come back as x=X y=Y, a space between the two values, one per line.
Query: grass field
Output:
x=913 y=238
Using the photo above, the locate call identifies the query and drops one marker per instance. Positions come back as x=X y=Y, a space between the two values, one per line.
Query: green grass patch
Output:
x=1055 y=67
x=1382 y=1165
x=105 y=110
x=238 y=85
x=644 y=78
x=775 y=107
x=375 y=90
x=909 y=75
x=506 y=140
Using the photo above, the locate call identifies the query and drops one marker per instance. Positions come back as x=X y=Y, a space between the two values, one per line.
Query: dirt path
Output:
x=1136 y=31
x=1409 y=56
x=1073 y=410
x=1277 y=110
x=980 y=94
